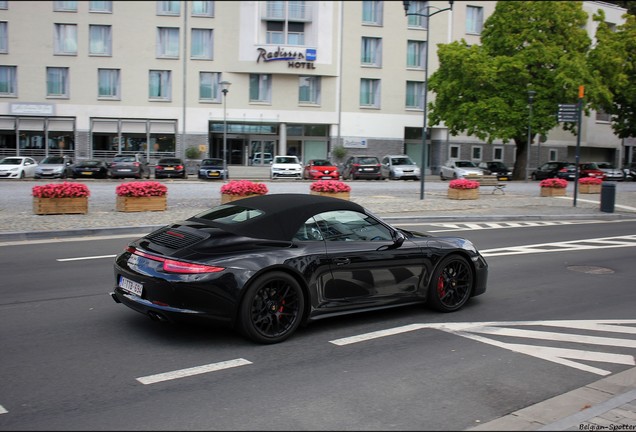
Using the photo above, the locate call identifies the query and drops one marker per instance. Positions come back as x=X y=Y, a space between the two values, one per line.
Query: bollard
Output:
x=608 y=197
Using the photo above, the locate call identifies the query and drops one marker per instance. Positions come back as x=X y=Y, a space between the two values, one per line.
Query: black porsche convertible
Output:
x=266 y=264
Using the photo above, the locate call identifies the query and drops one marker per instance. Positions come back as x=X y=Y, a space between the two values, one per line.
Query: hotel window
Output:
x=414 y=95
x=603 y=117
x=160 y=85
x=167 y=42
x=203 y=8
x=498 y=154
x=8 y=80
x=169 y=8
x=4 y=5
x=474 y=19
x=418 y=21
x=309 y=90
x=65 y=39
x=370 y=93
x=476 y=153
x=65 y=6
x=100 y=6
x=202 y=43
x=57 y=82
x=372 y=12
x=415 y=52
x=261 y=88
x=100 y=40
x=209 y=86
x=108 y=84
x=453 y=152
x=285 y=22
x=371 y=54
x=4 y=37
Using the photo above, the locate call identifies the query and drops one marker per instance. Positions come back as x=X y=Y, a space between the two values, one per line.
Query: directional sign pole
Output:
x=578 y=142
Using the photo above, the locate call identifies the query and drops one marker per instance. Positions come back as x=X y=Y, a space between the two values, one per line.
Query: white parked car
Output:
x=286 y=167
x=17 y=167
x=457 y=169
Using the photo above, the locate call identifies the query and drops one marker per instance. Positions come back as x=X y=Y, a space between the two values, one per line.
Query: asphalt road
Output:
x=72 y=359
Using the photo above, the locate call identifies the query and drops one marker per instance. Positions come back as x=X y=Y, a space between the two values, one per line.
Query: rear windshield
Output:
x=124 y=159
x=368 y=161
x=229 y=214
x=91 y=163
x=169 y=161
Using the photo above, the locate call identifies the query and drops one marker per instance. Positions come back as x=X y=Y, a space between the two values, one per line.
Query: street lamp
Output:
x=531 y=94
x=225 y=87
x=426 y=15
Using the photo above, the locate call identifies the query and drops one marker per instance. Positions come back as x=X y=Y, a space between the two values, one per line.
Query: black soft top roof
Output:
x=283 y=214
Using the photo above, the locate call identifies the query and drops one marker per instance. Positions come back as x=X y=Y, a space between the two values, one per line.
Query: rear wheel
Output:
x=272 y=308
x=451 y=284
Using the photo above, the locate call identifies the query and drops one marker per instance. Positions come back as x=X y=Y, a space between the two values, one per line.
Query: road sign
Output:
x=568 y=113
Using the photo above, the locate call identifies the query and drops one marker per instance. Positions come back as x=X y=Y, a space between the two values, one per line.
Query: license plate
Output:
x=215 y=174
x=87 y=173
x=504 y=178
x=130 y=286
x=124 y=169
x=367 y=169
x=169 y=168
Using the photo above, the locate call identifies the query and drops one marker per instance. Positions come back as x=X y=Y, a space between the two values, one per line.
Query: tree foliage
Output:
x=482 y=90
x=614 y=59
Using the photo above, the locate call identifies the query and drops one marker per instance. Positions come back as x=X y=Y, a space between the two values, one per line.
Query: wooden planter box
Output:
x=463 y=194
x=590 y=188
x=48 y=206
x=140 y=204
x=550 y=192
x=226 y=198
x=341 y=195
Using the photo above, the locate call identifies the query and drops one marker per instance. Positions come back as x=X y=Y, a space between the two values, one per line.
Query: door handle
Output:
x=341 y=261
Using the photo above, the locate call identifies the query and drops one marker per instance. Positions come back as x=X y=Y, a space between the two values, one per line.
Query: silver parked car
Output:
x=611 y=172
x=54 y=167
x=399 y=167
x=457 y=169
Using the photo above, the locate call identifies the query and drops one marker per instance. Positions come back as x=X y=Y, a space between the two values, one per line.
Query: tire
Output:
x=441 y=176
x=22 y=175
x=534 y=177
x=451 y=285
x=272 y=308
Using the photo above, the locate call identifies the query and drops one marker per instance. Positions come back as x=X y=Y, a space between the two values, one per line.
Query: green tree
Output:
x=482 y=90
x=614 y=59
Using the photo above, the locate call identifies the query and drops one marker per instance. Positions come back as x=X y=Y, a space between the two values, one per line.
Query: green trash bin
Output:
x=608 y=197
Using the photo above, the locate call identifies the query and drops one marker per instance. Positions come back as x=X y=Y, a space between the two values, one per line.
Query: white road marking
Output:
x=85 y=258
x=2 y=410
x=585 y=244
x=448 y=227
x=197 y=370
x=563 y=356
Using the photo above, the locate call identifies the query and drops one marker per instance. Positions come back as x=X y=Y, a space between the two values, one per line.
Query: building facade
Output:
x=93 y=79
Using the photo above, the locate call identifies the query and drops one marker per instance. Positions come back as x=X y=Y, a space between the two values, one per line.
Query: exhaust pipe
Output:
x=157 y=317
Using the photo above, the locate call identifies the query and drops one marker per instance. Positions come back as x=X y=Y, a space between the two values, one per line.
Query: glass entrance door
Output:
x=261 y=152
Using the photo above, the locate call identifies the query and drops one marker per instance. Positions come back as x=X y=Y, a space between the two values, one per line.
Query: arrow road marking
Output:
x=563 y=356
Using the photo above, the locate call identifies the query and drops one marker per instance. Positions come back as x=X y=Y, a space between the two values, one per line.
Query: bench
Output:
x=488 y=180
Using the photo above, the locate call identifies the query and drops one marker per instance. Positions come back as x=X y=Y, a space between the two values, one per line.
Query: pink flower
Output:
x=329 y=186
x=463 y=184
x=590 y=180
x=61 y=190
x=243 y=187
x=141 y=189
x=554 y=183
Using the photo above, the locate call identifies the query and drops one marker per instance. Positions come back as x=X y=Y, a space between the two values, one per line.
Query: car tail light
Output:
x=158 y=168
x=136 y=164
x=179 y=167
x=175 y=266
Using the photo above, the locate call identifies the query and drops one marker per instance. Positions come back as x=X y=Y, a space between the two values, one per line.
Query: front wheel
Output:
x=272 y=308
x=451 y=284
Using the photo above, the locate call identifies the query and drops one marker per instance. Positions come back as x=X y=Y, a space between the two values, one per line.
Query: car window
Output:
x=10 y=161
x=286 y=160
x=124 y=159
x=309 y=231
x=368 y=161
x=465 y=164
x=170 y=161
x=347 y=225
x=229 y=214
x=53 y=160
x=212 y=162
x=402 y=161
x=322 y=162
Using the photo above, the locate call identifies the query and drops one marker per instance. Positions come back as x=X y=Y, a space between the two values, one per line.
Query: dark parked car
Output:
x=548 y=170
x=266 y=264
x=92 y=168
x=361 y=167
x=212 y=169
x=135 y=166
x=588 y=169
x=170 y=168
x=497 y=168
x=54 y=167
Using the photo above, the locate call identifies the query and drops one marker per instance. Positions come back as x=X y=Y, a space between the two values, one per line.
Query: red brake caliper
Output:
x=440 y=287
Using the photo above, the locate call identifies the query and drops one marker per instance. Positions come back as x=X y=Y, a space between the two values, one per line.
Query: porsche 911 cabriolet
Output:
x=264 y=265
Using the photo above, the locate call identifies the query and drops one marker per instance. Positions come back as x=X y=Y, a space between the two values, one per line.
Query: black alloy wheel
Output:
x=451 y=284
x=272 y=308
